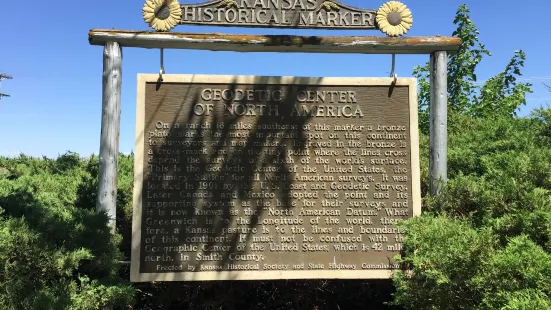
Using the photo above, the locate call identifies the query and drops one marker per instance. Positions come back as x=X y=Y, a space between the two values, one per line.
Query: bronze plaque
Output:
x=243 y=177
x=324 y=14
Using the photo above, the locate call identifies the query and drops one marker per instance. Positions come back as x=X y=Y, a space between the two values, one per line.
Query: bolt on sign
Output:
x=256 y=178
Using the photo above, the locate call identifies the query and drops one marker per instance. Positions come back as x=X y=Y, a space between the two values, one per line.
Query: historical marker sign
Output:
x=240 y=178
x=393 y=17
x=279 y=14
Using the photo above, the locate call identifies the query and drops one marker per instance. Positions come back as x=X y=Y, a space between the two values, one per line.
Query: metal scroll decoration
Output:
x=392 y=18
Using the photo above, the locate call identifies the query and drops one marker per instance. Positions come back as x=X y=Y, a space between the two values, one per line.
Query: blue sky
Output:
x=55 y=103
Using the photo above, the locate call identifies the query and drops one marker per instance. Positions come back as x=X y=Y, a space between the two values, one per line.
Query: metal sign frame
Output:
x=139 y=179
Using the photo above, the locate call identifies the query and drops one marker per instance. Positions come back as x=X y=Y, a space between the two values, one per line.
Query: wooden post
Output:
x=438 y=162
x=110 y=126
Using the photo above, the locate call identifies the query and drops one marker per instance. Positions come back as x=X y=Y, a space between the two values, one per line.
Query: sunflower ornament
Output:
x=162 y=15
x=227 y=4
x=329 y=5
x=394 y=18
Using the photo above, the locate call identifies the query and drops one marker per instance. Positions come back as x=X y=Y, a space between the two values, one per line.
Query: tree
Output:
x=462 y=65
x=485 y=242
x=56 y=252
x=501 y=94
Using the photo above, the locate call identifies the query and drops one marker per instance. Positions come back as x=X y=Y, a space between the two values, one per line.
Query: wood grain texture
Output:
x=276 y=43
x=110 y=125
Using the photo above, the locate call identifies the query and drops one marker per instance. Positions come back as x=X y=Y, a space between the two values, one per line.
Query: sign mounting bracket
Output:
x=162 y=64
x=392 y=72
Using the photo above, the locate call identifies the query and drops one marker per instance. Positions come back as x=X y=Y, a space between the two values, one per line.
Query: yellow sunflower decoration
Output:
x=227 y=4
x=394 y=18
x=331 y=6
x=162 y=15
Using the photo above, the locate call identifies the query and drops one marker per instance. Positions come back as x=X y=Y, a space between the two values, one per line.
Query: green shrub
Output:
x=485 y=242
x=55 y=253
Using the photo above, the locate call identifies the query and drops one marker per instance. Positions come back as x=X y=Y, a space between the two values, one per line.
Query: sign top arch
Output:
x=392 y=18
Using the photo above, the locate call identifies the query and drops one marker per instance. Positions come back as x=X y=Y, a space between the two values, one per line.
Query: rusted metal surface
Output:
x=276 y=43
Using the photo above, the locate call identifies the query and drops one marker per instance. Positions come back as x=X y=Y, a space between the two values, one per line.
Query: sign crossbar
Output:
x=276 y=43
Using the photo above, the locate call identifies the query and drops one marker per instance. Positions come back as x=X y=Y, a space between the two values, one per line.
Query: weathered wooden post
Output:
x=110 y=126
x=438 y=163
